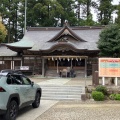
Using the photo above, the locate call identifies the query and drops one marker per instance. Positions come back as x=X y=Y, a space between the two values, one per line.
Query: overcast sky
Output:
x=116 y=2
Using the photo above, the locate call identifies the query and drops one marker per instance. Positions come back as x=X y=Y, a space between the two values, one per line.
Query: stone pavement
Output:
x=82 y=110
x=79 y=110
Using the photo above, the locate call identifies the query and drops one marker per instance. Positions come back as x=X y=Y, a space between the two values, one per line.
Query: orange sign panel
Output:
x=109 y=67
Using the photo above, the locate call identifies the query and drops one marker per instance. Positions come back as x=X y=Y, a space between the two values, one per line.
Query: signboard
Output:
x=24 y=67
x=109 y=67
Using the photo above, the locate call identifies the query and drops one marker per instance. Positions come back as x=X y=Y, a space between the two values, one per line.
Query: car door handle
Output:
x=27 y=88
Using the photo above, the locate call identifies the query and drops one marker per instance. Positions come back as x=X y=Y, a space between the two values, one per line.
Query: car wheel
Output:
x=36 y=103
x=11 y=111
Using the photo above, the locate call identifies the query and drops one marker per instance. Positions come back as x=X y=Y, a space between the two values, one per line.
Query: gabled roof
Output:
x=46 y=38
x=66 y=31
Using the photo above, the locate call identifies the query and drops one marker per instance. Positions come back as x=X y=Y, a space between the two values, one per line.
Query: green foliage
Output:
x=102 y=89
x=3 y=32
x=109 y=42
x=105 y=11
x=9 y=10
x=98 y=96
x=117 y=97
x=112 y=96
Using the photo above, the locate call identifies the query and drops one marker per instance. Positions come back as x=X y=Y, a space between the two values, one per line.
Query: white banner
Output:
x=24 y=67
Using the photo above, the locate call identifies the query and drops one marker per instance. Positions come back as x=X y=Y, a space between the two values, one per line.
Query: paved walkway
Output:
x=88 y=110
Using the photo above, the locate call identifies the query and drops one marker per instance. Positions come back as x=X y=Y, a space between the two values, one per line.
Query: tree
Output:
x=85 y=16
x=43 y=13
x=109 y=42
x=3 y=32
x=105 y=10
x=69 y=14
x=9 y=11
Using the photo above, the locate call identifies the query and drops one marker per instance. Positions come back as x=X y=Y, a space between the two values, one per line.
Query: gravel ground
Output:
x=80 y=110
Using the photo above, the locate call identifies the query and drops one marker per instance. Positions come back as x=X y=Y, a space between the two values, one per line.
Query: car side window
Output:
x=26 y=81
x=14 y=80
x=9 y=80
x=17 y=79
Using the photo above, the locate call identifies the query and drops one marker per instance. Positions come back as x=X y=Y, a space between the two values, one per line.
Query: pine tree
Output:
x=105 y=10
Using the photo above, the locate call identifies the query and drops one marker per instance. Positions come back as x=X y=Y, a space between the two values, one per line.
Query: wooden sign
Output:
x=109 y=67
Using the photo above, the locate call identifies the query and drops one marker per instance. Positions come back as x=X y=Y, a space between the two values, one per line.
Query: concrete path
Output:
x=57 y=81
x=28 y=113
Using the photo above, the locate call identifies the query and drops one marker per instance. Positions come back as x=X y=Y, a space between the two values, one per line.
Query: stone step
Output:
x=60 y=98
x=76 y=88
x=62 y=92
x=63 y=89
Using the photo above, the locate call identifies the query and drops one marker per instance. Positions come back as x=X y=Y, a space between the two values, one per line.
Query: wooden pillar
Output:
x=71 y=63
x=85 y=67
x=11 y=64
x=43 y=67
x=22 y=61
x=57 y=66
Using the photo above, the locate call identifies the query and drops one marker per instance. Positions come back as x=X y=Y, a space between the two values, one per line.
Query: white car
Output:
x=17 y=91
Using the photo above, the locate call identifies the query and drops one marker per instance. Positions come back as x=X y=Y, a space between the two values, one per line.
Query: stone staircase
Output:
x=62 y=92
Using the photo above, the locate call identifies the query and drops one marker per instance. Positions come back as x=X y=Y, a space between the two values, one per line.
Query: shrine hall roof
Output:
x=37 y=39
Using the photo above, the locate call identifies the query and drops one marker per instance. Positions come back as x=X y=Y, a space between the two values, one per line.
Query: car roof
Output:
x=4 y=74
x=10 y=71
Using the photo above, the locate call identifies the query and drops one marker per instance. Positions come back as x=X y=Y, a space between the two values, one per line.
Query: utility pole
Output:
x=25 y=16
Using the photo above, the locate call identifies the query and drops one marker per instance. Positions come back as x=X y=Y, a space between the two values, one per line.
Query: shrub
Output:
x=112 y=96
x=117 y=97
x=102 y=89
x=98 y=96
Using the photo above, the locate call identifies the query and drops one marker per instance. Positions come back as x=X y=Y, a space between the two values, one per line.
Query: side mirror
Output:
x=32 y=83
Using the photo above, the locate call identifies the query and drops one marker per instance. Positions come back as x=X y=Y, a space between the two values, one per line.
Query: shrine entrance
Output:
x=61 y=62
